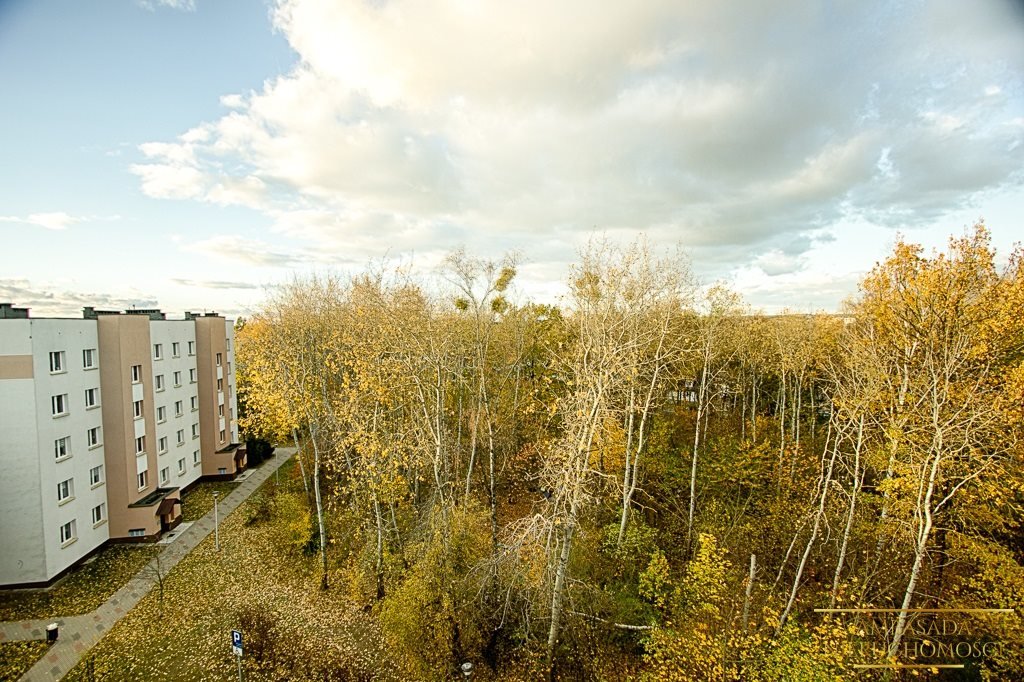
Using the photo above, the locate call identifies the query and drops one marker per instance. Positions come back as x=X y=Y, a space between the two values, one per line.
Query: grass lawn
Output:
x=198 y=502
x=83 y=590
x=259 y=583
x=17 y=657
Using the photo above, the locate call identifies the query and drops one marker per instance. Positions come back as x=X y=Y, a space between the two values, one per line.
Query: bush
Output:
x=300 y=528
x=258 y=450
x=261 y=505
x=431 y=619
x=259 y=631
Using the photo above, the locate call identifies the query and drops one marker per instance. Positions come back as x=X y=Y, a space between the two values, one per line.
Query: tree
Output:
x=712 y=328
x=943 y=430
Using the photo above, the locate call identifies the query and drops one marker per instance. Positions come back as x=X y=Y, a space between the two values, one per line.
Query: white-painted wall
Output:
x=72 y=337
x=169 y=332
x=23 y=558
x=32 y=515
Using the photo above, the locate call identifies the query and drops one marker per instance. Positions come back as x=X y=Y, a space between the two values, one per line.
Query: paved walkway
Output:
x=79 y=633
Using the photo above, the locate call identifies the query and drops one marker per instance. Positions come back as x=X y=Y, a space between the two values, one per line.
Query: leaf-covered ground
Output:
x=83 y=590
x=17 y=657
x=257 y=583
x=198 y=502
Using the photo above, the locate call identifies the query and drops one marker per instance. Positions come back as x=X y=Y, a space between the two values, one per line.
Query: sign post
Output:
x=236 y=647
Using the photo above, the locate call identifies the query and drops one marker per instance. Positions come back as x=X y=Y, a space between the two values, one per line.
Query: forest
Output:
x=652 y=481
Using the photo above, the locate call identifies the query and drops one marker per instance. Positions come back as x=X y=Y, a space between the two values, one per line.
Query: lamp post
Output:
x=216 y=522
x=467 y=670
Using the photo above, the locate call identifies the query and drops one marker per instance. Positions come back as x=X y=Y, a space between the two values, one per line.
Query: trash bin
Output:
x=51 y=633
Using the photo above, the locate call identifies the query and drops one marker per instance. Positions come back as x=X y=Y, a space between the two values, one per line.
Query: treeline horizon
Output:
x=654 y=481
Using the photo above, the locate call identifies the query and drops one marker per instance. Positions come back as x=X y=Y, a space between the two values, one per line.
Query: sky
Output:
x=193 y=154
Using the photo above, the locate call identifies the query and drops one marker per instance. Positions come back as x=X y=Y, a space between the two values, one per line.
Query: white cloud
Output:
x=56 y=220
x=182 y=5
x=775 y=262
x=171 y=181
x=56 y=299
x=419 y=126
x=247 y=251
x=214 y=284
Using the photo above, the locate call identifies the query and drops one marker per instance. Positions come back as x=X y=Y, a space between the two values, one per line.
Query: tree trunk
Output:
x=319 y=506
x=781 y=413
x=693 y=473
x=302 y=468
x=749 y=590
x=826 y=482
x=380 y=547
x=857 y=482
x=557 y=597
x=920 y=550
x=796 y=427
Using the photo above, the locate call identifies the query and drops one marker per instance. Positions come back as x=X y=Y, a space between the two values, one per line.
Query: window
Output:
x=159 y=382
x=191 y=347
x=229 y=368
x=137 y=408
x=143 y=480
x=98 y=514
x=161 y=444
x=181 y=436
x=57 y=362
x=195 y=403
x=65 y=490
x=89 y=358
x=227 y=343
x=136 y=373
x=181 y=466
x=161 y=414
x=137 y=533
x=165 y=475
x=220 y=410
x=195 y=430
x=92 y=436
x=59 y=404
x=67 y=532
x=158 y=351
x=222 y=435
x=62 y=448
x=92 y=397
x=175 y=349
x=192 y=376
x=96 y=475
x=222 y=471
x=195 y=458
x=140 y=445
x=177 y=378
x=220 y=384
x=178 y=408
x=219 y=358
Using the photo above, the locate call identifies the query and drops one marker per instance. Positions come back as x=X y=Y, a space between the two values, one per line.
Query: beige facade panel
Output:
x=211 y=365
x=124 y=342
x=15 y=367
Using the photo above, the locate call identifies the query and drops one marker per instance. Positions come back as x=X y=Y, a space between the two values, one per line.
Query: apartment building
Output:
x=104 y=421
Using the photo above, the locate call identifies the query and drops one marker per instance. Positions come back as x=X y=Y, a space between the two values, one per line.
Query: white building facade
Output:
x=102 y=424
